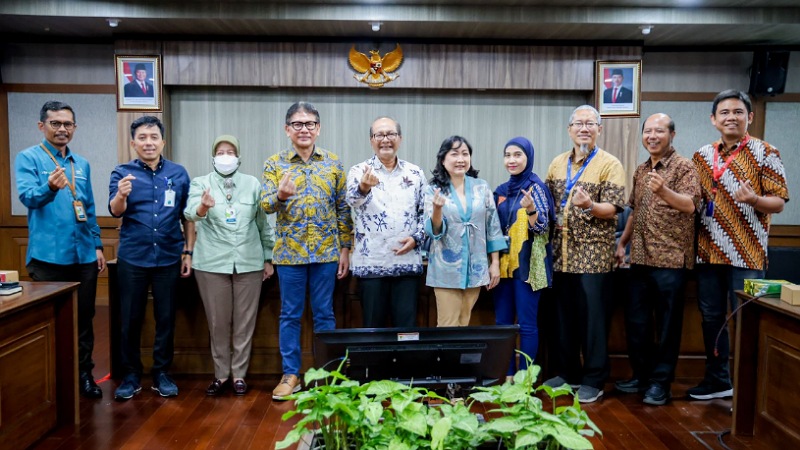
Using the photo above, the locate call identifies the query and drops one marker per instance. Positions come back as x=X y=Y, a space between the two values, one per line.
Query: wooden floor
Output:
x=193 y=420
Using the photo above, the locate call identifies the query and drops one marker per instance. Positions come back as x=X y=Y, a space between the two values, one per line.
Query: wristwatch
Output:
x=589 y=209
x=530 y=213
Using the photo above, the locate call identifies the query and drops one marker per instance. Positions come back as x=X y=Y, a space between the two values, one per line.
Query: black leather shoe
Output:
x=657 y=395
x=239 y=387
x=217 y=387
x=631 y=386
x=88 y=387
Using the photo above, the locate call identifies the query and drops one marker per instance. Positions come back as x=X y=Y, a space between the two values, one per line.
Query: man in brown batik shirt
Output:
x=666 y=190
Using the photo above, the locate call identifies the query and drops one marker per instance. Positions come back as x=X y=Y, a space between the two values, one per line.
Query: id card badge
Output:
x=169 y=198
x=80 y=211
x=230 y=215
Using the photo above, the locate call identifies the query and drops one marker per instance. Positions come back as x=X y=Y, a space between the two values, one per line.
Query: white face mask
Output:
x=226 y=164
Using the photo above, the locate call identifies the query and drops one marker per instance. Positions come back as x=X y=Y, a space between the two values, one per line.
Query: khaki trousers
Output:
x=231 y=304
x=454 y=306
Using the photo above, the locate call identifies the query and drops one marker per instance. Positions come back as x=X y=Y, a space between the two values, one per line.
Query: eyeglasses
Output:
x=310 y=126
x=67 y=125
x=588 y=125
x=391 y=135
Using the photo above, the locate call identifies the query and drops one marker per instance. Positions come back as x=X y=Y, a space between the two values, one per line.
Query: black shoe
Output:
x=239 y=387
x=217 y=387
x=631 y=386
x=657 y=395
x=87 y=387
x=709 y=391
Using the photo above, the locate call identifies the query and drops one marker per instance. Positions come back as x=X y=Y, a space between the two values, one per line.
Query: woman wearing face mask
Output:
x=232 y=256
x=461 y=219
x=525 y=207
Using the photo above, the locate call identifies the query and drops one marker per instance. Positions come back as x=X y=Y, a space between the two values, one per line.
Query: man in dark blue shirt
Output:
x=149 y=193
x=64 y=244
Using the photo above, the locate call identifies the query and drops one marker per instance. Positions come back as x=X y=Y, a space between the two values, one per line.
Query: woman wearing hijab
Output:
x=461 y=219
x=232 y=256
x=526 y=209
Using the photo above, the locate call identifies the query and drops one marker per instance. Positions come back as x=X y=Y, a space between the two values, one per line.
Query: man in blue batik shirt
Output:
x=63 y=237
x=149 y=193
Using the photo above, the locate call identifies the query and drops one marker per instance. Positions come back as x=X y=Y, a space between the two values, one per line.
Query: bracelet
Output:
x=530 y=213
x=187 y=252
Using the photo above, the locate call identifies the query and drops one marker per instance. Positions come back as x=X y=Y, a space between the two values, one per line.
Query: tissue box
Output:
x=759 y=286
x=8 y=276
x=790 y=293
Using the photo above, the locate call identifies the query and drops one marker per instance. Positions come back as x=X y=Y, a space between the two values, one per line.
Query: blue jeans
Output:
x=514 y=300
x=716 y=284
x=133 y=282
x=292 y=280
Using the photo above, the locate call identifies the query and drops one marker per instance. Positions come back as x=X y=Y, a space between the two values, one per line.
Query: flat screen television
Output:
x=428 y=357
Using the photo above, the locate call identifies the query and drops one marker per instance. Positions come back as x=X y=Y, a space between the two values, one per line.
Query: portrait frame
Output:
x=628 y=101
x=136 y=94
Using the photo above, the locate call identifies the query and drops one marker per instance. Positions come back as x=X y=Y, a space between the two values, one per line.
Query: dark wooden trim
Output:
x=678 y=96
x=62 y=88
x=5 y=159
x=784 y=236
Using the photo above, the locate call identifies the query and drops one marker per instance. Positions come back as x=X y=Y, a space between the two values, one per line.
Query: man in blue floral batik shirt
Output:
x=385 y=194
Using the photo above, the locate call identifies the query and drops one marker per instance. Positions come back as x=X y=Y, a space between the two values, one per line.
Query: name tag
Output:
x=169 y=198
x=230 y=215
x=80 y=211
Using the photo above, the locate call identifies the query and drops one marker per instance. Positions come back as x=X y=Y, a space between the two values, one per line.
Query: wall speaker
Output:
x=768 y=73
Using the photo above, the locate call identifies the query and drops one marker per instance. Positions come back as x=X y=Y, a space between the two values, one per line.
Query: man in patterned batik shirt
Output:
x=743 y=183
x=660 y=230
x=385 y=193
x=305 y=187
x=587 y=184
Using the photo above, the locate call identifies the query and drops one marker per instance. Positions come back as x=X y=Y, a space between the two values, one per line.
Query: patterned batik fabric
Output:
x=312 y=225
x=585 y=243
x=458 y=258
x=391 y=211
x=736 y=234
x=663 y=236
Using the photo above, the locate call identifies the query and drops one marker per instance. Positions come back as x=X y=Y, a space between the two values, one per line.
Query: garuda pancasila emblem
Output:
x=374 y=70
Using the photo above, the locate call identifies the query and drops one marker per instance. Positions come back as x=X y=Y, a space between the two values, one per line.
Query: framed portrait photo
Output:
x=618 y=88
x=138 y=83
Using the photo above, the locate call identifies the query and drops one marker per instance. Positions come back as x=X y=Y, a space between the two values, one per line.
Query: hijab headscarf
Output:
x=525 y=179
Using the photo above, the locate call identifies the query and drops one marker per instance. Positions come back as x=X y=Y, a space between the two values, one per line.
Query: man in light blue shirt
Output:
x=64 y=242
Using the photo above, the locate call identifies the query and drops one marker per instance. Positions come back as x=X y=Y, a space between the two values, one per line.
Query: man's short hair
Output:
x=671 y=124
x=139 y=67
x=616 y=72
x=588 y=108
x=396 y=125
x=731 y=93
x=54 y=106
x=301 y=107
x=147 y=121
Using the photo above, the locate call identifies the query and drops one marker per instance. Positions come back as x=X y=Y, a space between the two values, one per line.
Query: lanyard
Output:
x=570 y=181
x=72 y=166
x=718 y=171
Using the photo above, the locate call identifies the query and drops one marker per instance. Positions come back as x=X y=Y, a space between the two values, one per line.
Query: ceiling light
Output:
x=376 y=26
x=646 y=29
x=113 y=23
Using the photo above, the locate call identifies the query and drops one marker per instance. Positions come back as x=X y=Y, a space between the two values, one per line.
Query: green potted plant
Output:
x=521 y=422
x=342 y=414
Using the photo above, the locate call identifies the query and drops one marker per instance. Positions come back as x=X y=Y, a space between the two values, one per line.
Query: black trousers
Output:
x=86 y=275
x=133 y=284
x=380 y=296
x=582 y=313
x=660 y=291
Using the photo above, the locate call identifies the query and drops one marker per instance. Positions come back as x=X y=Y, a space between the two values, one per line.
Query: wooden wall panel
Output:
x=324 y=65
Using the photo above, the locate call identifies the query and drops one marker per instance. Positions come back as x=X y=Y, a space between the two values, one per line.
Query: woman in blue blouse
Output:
x=525 y=207
x=461 y=218
x=232 y=256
